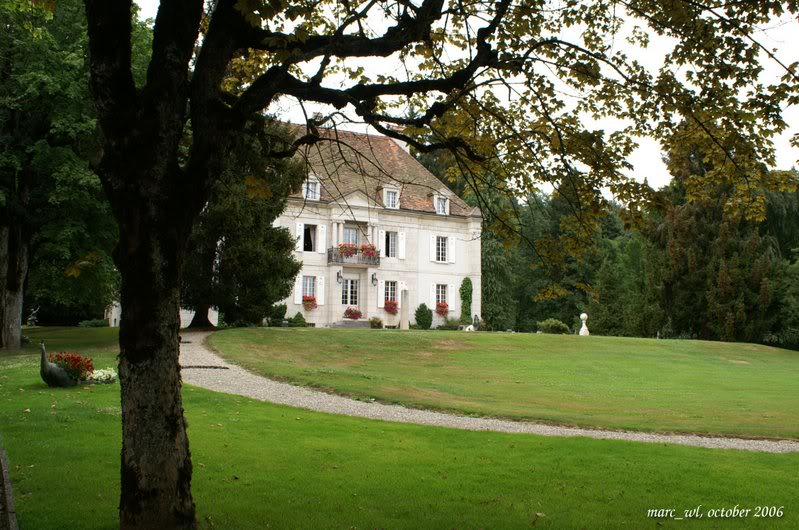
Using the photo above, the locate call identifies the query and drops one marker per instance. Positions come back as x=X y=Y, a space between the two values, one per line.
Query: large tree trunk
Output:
x=156 y=462
x=13 y=270
x=200 y=318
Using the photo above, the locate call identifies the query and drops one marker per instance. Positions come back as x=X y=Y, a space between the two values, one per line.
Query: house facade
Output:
x=370 y=222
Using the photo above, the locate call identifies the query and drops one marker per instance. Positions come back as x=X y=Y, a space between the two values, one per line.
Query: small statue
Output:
x=584 y=329
x=52 y=374
x=32 y=318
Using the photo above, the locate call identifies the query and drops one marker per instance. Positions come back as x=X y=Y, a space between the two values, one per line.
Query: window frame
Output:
x=317 y=189
x=350 y=292
x=390 y=285
x=309 y=229
x=442 y=251
x=395 y=194
x=439 y=298
x=388 y=242
x=305 y=284
x=349 y=229
x=442 y=200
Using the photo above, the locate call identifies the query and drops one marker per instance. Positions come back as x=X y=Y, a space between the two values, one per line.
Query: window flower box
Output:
x=309 y=302
x=369 y=251
x=347 y=250
x=391 y=307
x=442 y=308
x=353 y=313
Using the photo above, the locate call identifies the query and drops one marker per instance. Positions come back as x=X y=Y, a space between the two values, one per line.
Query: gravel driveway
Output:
x=203 y=368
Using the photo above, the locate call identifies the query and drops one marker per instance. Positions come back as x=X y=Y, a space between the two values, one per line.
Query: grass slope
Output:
x=638 y=384
x=266 y=466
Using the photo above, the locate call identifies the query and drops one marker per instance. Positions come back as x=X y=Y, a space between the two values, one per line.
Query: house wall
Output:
x=416 y=270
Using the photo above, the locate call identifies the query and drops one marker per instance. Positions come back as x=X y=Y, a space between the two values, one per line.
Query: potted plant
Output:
x=391 y=307
x=442 y=308
x=368 y=250
x=309 y=302
x=353 y=313
x=347 y=249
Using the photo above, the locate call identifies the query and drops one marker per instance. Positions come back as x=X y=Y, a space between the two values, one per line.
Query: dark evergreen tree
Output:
x=237 y=261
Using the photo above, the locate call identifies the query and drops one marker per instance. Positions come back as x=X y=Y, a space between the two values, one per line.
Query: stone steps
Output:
x=362 y=323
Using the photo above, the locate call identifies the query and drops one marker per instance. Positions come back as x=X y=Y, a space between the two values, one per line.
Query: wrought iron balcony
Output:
x=354 y=257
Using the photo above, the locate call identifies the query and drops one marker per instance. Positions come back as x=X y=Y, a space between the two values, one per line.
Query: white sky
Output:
x=647 y=159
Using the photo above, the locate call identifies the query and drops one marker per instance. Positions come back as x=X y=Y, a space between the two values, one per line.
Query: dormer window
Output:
x=311 y=189
x=391 y=199
x=442 y=205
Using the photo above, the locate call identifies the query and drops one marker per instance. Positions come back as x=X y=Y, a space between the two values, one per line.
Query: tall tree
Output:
x=237 y=260
x=455 y=52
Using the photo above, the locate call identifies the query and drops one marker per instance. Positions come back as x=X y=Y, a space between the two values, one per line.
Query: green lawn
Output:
x=265 y=466
x=639 y=384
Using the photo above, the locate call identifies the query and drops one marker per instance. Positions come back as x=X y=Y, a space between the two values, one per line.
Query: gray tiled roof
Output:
x=346 y=161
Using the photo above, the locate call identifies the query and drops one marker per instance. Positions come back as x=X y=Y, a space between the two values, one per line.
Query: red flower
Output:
x=347 y=249
x=391 y=307
x=368 y=250
x=309 y=302
x=352 y=313
x=76 y=366
x=442 y=308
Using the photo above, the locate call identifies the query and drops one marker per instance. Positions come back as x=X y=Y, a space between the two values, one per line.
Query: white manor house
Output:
x=370 y=222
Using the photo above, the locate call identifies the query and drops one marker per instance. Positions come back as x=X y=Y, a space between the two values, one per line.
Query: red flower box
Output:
x=309 y=302
x=347 y=249
x=391 y=307
x=442 y=308
x=368 y=250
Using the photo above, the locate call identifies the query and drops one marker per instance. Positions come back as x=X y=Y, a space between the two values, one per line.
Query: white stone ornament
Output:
x=584 y=330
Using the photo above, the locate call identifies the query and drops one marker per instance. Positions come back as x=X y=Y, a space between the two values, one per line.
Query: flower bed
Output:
x=442 y=308
x=352 y=313
x=309 y=302
x=76 y=366
x=391 y=307
x=104 y=376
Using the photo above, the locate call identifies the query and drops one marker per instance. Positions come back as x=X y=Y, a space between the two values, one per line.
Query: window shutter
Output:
x=450 y=294
x=381 y=240
x=401 y=245
x=300 y=234
x=381 y=293
x=433 y=296
x=321 y=239
x=451 y=249
x=320 y=290
x=298 y=289
x=400 y=287
x=433 y=247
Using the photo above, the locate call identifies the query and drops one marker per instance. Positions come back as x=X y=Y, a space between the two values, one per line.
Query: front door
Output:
x=350 y=291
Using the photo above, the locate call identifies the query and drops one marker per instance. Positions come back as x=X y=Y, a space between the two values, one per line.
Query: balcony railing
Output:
x=336 y=255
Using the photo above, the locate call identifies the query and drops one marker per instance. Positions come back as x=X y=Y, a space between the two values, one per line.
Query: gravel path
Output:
x=202 y=367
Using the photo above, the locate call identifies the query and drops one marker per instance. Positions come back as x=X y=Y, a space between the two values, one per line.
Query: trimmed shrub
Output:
x=96 y=323
x=466 y=301
x=553 y=325
x=298 y=321
x=424 y=317
x=375 y=323
x=276 y=314
x=450 y=324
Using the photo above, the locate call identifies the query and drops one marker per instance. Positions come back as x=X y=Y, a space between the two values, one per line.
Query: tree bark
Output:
x=156 y=461
x=13 y=270
x=200 y=318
